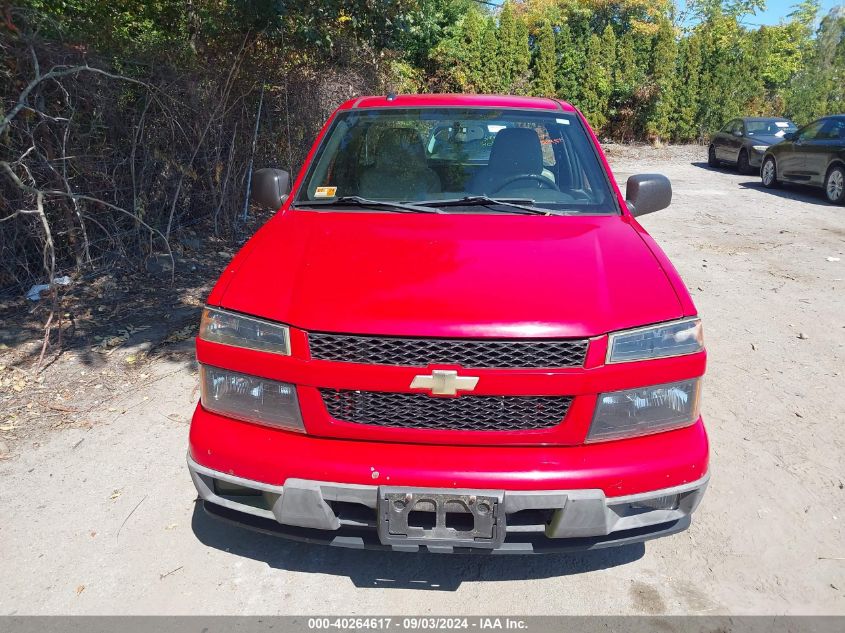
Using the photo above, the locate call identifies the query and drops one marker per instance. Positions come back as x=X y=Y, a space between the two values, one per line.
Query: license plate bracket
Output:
x=443 y=518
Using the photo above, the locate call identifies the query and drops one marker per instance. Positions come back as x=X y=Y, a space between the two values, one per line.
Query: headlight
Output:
x=250 y=398
x=230 y=328
x=759 y=148
x=646 y=410
x=656 y=341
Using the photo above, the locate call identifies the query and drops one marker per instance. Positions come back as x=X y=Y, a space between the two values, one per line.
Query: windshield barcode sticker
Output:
x=325 y=192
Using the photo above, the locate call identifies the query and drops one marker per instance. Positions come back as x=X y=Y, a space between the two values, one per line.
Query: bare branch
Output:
x=20 y=212
x=56 y=72
x=53 y=192
x=220 y=104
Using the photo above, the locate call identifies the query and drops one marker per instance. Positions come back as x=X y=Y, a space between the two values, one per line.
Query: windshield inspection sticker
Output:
x=325 y=192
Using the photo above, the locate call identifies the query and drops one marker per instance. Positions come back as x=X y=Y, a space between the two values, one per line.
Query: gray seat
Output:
x=400 y=171
x=516 y=151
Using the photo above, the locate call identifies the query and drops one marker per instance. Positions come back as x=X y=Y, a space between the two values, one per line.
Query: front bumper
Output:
x=553 y=498
x=345 y=515
x=618 y=468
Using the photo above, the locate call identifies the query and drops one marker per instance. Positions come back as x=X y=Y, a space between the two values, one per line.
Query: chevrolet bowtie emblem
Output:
x=444 y=382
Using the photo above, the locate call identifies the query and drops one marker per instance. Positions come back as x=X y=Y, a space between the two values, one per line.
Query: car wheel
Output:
x=834 y=185
x=742 y=164
x=769 y=173
x=711 y=157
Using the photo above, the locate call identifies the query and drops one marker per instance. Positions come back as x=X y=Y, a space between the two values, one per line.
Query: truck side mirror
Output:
x=646 y=193
x=738 y=133
x=270 y=187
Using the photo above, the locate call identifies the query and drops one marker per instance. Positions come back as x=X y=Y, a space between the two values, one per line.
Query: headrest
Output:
x=516 y=150
x=399 y=145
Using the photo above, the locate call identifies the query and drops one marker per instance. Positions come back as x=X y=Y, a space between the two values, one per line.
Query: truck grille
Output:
x=422 y=352
x=467 y=413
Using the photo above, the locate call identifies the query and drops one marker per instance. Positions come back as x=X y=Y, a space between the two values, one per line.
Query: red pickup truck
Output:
x=453 y=336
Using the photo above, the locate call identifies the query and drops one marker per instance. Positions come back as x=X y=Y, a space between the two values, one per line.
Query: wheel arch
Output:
x=835 y=162
x=766 y=157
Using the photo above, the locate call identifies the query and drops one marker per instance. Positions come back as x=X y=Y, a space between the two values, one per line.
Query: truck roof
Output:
x=456 y=100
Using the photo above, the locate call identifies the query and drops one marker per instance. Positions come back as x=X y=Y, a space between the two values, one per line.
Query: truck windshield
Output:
x=541 y=159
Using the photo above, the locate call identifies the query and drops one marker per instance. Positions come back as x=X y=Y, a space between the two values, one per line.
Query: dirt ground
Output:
x=98 y=514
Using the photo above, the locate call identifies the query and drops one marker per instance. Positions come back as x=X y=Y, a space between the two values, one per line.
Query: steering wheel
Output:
x=542 y=180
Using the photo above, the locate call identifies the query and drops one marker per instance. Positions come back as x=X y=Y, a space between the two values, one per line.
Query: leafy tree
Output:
x=459 y=54
x=818 y=88
x=637 y=68
x=418 y=30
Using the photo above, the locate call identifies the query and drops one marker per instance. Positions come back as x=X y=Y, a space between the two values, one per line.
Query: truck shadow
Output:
x=396 y=570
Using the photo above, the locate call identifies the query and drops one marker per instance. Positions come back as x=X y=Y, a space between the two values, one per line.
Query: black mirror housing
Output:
x=270 y=187
x=790 y=136
x=738 y=133
x=647 y=193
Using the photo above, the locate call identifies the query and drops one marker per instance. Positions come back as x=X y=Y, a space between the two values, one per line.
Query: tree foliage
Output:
x=637 y=68
x=148 y=126
x=544 y=63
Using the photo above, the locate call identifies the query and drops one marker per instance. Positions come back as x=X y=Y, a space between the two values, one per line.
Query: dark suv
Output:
x=814 y=155
x=742 y=142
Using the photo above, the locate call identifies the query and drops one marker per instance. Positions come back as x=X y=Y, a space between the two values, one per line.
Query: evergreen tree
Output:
x=490 y=80
x=608 y=57
x=659 y=118
x=507 y=50
x=623 y=63
x=571 y=57
x=628 y=77
x=595 y=87
x=472 y=32
x=627 y=74
x=521 y=56
x=544 y=63
x=687 y=96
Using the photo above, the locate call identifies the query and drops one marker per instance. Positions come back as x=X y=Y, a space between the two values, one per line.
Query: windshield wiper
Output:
x=524 y=205
x=401 y=207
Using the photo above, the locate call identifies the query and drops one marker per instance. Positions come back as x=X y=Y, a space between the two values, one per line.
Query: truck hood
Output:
x=456 y=275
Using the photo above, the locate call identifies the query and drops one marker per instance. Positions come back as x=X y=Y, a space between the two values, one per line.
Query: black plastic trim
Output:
x=515 y=543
